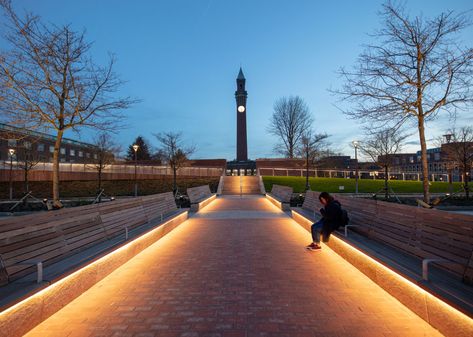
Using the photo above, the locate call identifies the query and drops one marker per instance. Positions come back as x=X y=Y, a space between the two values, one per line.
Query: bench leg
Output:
x=425 y=266
x=39 y=267
x=346 y=229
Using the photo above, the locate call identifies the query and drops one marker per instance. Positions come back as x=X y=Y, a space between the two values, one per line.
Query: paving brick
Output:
x=221 y=274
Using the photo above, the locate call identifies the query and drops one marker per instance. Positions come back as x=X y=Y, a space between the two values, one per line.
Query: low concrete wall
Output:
x=200 y=205
x=448 y=320
x=281 y=205
x=25 y=315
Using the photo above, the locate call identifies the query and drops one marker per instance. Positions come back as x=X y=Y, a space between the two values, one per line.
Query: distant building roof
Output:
x=6 y=127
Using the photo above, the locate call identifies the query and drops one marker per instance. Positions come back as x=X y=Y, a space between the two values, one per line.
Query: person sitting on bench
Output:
x=331 y=214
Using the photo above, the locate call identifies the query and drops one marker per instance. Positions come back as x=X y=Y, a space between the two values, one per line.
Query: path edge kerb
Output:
x=23 y=316
x=437 y=313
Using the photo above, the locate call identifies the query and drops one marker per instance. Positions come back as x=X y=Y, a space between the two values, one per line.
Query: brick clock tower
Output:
x=241 y=165
x=240 y=97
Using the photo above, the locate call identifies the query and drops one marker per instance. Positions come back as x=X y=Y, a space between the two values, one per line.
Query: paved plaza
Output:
x=238 y=268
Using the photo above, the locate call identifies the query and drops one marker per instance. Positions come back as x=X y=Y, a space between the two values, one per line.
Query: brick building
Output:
x=40 y=145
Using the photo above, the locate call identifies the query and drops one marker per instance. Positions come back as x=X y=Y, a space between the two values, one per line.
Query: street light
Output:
x=135 y=148
x=355 y=145
x=11 y=152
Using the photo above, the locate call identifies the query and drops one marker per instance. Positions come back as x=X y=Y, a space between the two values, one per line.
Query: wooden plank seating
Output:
x=280 y=196
x=422 y=233
x=200 y=197
x=198 y=193
x=49 y=237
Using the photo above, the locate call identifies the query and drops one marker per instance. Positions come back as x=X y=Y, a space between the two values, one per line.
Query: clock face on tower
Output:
x=241 y=108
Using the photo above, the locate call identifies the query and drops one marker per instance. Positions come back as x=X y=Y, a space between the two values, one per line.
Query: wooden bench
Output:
x=200 y=197
x=311 y=206
x=398 y=272
x=49 y=237
x=280 y=196
x=423 y=233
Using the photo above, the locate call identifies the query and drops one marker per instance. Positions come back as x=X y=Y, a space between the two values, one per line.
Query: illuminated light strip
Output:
x=24 y=316
x=269 y=199
x=275 y=202
x=439 y=314
x=205 y=202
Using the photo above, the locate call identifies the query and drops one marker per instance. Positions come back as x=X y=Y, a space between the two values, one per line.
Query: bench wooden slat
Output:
x=420 y=232
x=52 y=236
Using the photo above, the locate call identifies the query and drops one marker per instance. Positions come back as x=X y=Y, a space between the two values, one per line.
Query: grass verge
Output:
x=364 y=185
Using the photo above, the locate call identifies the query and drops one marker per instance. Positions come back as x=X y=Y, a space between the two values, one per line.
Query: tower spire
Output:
x=240 y=75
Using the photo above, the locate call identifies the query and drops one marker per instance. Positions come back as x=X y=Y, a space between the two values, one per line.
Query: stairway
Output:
x=240 y=185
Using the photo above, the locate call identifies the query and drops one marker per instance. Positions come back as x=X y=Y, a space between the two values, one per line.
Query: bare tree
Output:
x=49 y=80
x=105 y=150
x=458 y=152
x=416 y=69
x=290 y=119
x=27 y=159
x=312 y=147
x=174 y=152
x=382 y=146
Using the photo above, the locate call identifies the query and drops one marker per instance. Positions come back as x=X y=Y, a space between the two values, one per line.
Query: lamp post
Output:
x=11 y=152
x=135 y=148
x=355 y=145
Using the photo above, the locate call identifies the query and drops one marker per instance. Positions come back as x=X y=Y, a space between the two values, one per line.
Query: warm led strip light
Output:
x=456 y=319
x=71 y=280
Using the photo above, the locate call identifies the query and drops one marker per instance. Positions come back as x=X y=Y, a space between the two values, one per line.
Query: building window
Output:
x=411 y=159
x=27 y=145
x=87 y=155
x=72 y=152
x=81 y=154
x=437 y=156
x=63 y=150
x=11 y=142
x=40 y=147
x=95 y=155
x=51 y=149
x=63 y=160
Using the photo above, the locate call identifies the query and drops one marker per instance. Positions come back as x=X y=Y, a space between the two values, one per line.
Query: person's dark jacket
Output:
x=331 y=214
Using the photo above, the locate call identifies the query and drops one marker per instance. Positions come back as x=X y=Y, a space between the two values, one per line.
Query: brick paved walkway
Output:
x=223 y=275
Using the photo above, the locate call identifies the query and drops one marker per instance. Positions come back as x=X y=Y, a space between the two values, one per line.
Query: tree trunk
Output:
x=99 y=190
x=425 y=167
x=307 y=186
x=100 y=178
x=465 y=184
x=57 y=146
x=25 y=186
x=386 y=186
x=174 y=172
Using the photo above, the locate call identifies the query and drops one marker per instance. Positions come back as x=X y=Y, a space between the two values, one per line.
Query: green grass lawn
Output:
x=364 y=185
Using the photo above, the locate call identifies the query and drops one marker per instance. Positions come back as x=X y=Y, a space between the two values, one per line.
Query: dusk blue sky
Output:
x=181 y=58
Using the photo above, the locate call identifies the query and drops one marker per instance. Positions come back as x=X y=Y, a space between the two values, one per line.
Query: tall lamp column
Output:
x=135 y=148
x=11 y=152
x=355 y=145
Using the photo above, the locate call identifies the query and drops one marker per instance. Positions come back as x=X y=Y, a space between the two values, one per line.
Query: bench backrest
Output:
x=283 y=193
x=52 y=236
x=311 y=201
x=425 y=233
x=198 y=193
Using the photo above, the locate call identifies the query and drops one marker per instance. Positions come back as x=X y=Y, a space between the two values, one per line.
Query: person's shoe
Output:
x=313 y=247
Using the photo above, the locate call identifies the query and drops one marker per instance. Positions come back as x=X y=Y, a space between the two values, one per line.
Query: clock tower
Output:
x=240 y=97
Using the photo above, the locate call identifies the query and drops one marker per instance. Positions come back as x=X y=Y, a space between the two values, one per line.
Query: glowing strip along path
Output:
x=237 y=268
